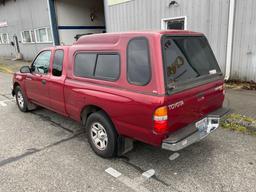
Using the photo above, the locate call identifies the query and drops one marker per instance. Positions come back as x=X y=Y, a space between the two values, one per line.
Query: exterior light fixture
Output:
x=173 y=3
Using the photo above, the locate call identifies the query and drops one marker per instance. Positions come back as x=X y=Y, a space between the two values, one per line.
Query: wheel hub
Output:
x=20 y=99
x=99 y=136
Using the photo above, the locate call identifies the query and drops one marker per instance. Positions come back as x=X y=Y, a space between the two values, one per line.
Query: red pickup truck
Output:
x=163 y=88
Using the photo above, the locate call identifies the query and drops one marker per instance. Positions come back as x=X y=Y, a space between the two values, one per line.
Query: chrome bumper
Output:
x=192 y=134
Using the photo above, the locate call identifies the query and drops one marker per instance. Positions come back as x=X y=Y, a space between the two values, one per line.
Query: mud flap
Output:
x=124 y=145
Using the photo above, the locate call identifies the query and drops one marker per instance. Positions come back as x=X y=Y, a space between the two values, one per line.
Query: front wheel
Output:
x=101 y=135
x=21 y=99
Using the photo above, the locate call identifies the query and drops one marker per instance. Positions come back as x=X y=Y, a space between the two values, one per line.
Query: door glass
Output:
x=42 y=62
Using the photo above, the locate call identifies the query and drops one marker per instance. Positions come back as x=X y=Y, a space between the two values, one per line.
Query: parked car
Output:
x=162 y=88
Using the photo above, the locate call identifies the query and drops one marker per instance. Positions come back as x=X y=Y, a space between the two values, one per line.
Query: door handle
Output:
x=43 y=81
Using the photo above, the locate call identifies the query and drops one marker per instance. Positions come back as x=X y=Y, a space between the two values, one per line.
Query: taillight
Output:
x=161 y=120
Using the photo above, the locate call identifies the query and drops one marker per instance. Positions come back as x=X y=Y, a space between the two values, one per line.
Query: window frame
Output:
x=53 y=58
x=149 y=59
x=47 y=35
x=30 y=35
x=164 y=22
x=95 y=65
x=2 y=42
x=37 y=57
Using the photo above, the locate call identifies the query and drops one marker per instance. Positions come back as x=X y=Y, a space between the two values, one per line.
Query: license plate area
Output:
x=202 y=125
x=208 y=124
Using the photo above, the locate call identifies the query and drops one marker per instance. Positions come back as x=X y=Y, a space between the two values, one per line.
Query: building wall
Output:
x=75 y=15
x=244 y=46
x=23 y=15
x=209 y=17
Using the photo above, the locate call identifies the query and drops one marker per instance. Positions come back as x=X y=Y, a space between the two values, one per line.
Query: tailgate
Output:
x=193 y=104
x=193 y=79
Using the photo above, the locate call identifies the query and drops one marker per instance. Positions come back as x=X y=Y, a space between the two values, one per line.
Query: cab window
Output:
x=41 y=63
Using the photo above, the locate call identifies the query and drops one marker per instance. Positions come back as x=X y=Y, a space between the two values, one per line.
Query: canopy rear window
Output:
x=188 y=58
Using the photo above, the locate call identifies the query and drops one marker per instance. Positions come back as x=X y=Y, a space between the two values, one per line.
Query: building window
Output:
x=28 y=36
x=175 y=23
x=43 y=35
x=4 y=38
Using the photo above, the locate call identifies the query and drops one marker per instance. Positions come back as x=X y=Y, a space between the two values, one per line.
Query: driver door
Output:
x=36 y=82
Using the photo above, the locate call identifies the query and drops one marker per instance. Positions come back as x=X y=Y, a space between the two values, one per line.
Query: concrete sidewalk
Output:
x=242 y=102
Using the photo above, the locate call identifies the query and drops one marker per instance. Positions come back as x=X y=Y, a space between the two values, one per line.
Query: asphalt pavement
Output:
x=43 y=151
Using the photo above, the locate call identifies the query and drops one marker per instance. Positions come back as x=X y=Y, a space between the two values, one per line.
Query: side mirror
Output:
x=25 y=69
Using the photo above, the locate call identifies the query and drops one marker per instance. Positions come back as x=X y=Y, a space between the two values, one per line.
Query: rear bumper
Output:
x=191 y=134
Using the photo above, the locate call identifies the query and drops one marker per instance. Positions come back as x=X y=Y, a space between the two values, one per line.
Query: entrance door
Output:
x=174 y=23
x=36 y=82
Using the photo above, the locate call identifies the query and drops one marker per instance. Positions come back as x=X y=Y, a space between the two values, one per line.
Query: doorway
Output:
x=79 y=18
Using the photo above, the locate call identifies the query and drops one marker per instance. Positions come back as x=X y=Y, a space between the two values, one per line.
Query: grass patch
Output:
x=239 y=123
x=237 y=84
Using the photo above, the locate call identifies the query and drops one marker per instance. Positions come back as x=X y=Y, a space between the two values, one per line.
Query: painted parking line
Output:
x=174 y=156
x=3 y=102
x=134 y=184
x=149 y=173
x=113 y=172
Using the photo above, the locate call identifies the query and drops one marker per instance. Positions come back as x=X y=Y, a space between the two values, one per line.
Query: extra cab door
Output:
x=36 y=83
x=57 y=79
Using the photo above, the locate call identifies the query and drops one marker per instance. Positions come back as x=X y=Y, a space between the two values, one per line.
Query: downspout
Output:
x=53 y=22
x=232 y=5
x=106 y=8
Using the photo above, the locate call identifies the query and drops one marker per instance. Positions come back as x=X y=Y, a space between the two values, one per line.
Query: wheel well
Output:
x=88 y=110
x=14 y=87
x=123 y=144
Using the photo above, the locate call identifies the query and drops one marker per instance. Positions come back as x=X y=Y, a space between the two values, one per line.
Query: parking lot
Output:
x=43 y=151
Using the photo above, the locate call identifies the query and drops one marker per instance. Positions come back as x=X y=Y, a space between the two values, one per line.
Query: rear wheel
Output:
x=101 y=134
x=21 y=99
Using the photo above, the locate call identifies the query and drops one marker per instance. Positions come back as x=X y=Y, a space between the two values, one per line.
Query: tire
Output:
x=101 y=135
x=21 y=99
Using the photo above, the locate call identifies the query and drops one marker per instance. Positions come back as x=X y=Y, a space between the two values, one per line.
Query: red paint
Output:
x=130 y=107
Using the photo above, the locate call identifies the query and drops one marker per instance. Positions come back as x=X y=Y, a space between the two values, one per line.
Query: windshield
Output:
x=187 y=58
